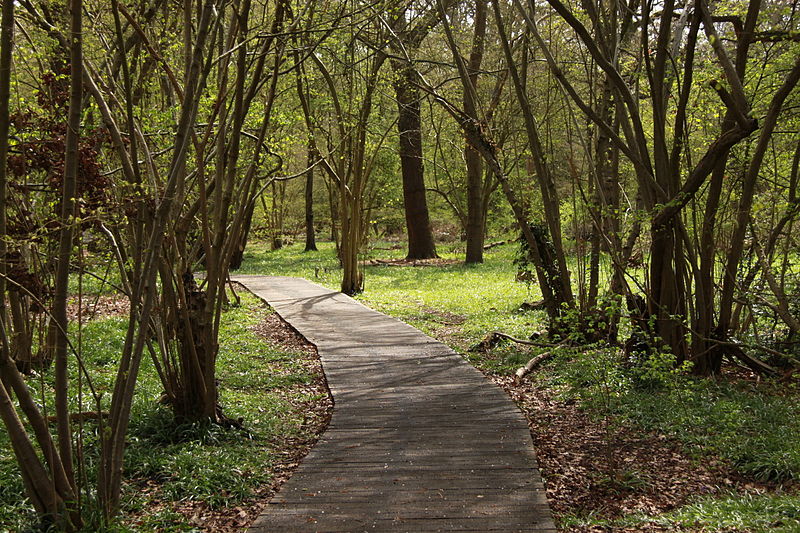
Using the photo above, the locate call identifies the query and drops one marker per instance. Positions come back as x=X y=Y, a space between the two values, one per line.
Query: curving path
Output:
x=419 y=439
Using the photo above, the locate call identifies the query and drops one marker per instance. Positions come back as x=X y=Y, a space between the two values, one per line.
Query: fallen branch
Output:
x=493 y=244
x=533 y=363
x=77 y=417
x=495 y=337
x=536 y=361
x=756 y=365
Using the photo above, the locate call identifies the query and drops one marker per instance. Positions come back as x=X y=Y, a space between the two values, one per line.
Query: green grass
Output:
x=167 y=463
x=755 y=428
x=745 y=513
x=754 y=513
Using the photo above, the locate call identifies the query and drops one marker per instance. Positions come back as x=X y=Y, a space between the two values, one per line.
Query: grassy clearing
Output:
x=476 y=298
x=754 y=427
x=202 y=467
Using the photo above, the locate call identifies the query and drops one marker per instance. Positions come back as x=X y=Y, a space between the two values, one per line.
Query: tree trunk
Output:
x=198 y=354
x=311 y=243
x=409 y=125
x=560 y=284
x=6 y=46
x=238 y=253
x=57 y=334
x=474 y=168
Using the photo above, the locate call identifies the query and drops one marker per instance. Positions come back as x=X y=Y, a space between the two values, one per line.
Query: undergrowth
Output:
x=168 y=465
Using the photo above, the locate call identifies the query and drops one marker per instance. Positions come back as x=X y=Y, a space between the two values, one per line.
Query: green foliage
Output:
x=756 y=428
x=753 y=513
x=595 y=377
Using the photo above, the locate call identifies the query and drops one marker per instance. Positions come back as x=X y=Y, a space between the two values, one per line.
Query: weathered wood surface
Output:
x=419 y=439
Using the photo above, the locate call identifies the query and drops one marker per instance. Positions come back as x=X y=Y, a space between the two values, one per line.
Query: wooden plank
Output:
x=466 y=496
x=331 y=523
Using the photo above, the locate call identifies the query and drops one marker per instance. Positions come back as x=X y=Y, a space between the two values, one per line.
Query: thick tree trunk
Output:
x=475 y=214
x=415 y=202
x=196 y=400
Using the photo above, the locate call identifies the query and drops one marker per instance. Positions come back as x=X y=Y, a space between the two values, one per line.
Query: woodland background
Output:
x=641 y=157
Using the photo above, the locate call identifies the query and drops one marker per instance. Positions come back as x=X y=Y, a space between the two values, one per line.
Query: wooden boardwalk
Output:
x=419 y=439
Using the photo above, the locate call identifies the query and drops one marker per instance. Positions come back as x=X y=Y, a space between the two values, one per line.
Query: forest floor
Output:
x=195 y=477
x=290 y=450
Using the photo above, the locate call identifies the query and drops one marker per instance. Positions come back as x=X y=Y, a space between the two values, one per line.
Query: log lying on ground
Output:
x=536 y=361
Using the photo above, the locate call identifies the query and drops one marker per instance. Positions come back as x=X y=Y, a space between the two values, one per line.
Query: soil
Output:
x=95 y=306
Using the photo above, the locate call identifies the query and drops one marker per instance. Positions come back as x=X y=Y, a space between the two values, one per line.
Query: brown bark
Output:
x=748 y=193
x=144 y=295
x=474 y=169
x=311 y=243
x=57 y=334
x=558 y=278
x=409 y=125
x=6 y=46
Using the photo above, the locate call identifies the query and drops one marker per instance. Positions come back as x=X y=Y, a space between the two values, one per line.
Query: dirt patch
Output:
x=444 y=318
x=97 y=306
x=276 y=331
x=609 y=472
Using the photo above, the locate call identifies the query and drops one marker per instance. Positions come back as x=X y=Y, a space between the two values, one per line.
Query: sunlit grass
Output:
x=485 y=297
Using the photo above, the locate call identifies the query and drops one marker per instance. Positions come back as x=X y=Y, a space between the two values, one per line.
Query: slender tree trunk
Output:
x=560 y=279
x=144 y=295
x=6 y=46
x=58 y=326
x=38 y=486
x=238 y=253
x=474 y=168
x=334 y=216
x=311 y=242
